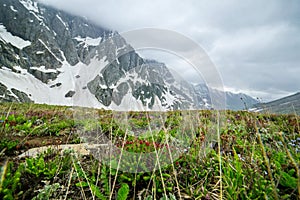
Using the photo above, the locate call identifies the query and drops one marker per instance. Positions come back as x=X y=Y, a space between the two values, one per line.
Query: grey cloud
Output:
x=265 y=60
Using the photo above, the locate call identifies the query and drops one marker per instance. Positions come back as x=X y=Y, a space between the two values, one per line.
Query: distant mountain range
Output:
x=286 y=105
x=234 y=101
x=50 y=56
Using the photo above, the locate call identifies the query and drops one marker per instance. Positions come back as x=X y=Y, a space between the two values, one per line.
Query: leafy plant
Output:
x=90 y=182
x=95 y=190
x=288 y=181
x=46 y=192
x=8 y=145
x=38 y=167
x=233 y=177
x=123 y=192
x=10 y=184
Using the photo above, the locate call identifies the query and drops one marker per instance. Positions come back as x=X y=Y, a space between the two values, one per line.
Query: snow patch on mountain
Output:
x=128 y=103
x=43 y=69
x=30 y=5
x=27 y=83
x=88 y=41
x=71 y=78
x=62 y=21
x=20 y=70
x=7 y=37
x=43 y=43
x=13 y=9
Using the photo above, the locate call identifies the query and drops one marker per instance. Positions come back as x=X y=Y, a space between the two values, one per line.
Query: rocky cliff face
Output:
x=52 y=37
x=13 y=96
x=40 y=42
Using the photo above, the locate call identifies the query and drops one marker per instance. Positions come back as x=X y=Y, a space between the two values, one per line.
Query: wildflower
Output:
x=157 y=145
x=291 y=144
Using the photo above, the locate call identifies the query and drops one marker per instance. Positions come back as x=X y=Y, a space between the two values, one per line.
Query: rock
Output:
x=70 y=94
x=22 y=97
x=3 y=89
x=79 y=149
x=13 y=96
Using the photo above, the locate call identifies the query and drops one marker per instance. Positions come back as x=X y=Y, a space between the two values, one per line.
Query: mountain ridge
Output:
x=286 y=105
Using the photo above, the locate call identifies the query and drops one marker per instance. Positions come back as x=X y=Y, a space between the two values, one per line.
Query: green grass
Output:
x=256 y=156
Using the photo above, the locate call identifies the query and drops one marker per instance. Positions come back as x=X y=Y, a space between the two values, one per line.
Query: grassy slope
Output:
x=257 y=156
x=286 y=105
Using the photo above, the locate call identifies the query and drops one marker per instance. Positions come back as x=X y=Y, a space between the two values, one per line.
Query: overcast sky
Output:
x=254 y=44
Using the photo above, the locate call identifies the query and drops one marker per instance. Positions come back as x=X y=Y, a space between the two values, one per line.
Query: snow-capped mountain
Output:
x=50 y=56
